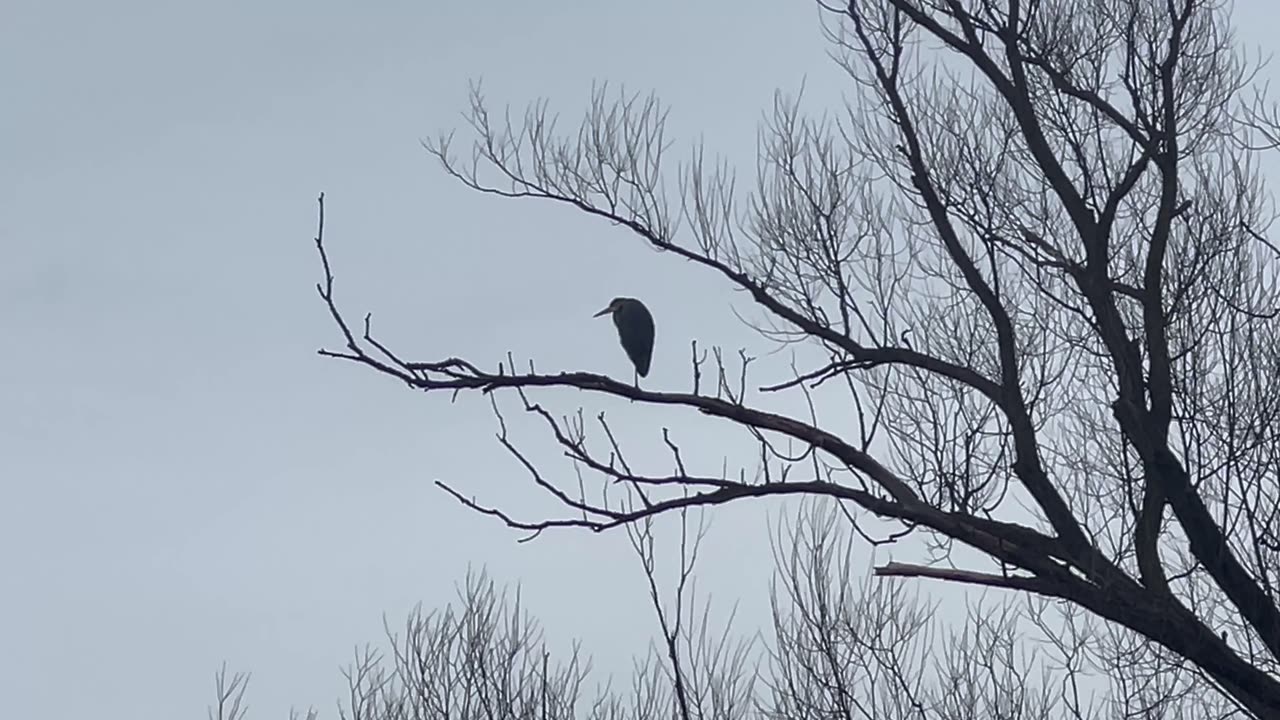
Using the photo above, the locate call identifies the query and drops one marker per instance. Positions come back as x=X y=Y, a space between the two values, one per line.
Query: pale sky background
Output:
x=182 y=480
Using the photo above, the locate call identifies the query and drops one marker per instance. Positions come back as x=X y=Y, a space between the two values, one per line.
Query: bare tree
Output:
x=229 y=692
x=1033 y=251
x=485 y=657
x=229 y=698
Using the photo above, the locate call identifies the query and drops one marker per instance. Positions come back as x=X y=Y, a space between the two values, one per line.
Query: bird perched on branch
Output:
x=635 y=330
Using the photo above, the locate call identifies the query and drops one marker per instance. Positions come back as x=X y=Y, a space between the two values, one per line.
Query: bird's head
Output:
x=614 y=305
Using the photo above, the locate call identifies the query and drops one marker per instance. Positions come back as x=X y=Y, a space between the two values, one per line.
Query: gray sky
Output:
x=184 y=481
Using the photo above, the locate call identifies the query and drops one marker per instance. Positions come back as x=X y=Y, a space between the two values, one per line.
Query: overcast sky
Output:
x=183 y=480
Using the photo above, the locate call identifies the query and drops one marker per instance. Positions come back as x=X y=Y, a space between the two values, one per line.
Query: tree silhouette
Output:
x=1034 y=254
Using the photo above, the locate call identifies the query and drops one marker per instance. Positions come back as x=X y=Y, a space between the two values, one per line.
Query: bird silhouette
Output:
x=635 y=331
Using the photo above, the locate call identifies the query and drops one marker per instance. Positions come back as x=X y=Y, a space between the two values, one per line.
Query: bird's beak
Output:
x=603 y=312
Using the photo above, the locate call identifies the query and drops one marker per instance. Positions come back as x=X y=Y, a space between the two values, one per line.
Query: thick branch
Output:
x=967 y=577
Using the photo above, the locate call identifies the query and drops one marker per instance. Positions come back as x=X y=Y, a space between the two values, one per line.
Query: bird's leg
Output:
x=635 y=378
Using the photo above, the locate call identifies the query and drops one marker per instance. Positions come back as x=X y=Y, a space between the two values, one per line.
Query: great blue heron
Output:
x=635 y=330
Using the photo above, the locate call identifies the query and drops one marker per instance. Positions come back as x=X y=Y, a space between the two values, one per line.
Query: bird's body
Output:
x=635 y=330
